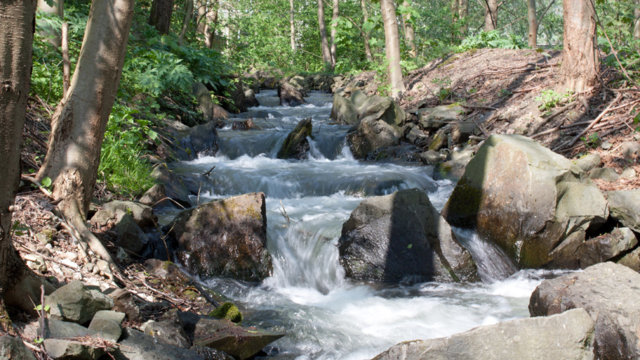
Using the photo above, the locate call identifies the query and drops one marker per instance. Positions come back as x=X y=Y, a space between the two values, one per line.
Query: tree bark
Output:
x=207 y=21
x=80 y=120
x=580 y=61
x=188 y=15
x=490 y=15
x=17 y=283
x=533 y=24
x=66 y=62
x=292 y=24
x=463 y=12
x=409 y=33
x=57 y=8
x=636 y=18
x=392 y=47
x=326 y=53
x=365 y=34
x=160 y=16
x=334 y=30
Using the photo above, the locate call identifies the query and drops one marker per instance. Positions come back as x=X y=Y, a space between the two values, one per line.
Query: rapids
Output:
x=324 y=315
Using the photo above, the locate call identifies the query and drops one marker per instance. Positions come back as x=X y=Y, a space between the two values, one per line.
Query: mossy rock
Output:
x=227 y=311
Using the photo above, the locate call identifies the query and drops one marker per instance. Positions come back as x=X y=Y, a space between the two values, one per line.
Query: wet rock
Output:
x=343 y=111
x=250 y=97
x=235 y=340
x=225 y=238
x=606 y=174
x=211 y=354
x=200 y=139
x=113 y=211
x=227 y=311
x=402 y=237
x=289 y=95
x=588 y=162
x=74 y=302
x=13 y=348
x=453 y=169
x=372 y=134
x=152 y=196
x=107 y=324
x=528 y=200
x=417 y=137
x=431 y=157
x=72 y=350
x=174 y=187
x=608 y=292
x=605 y=247
x=296 y=145
x=565 y=336
x=439 y=116
x=169 y=330
x=625 y=207
x=243 y=124
x=138 y=346
x=403 y=153
x=381 y=108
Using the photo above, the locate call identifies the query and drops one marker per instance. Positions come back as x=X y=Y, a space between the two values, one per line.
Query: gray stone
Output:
x=222 y=334
x=296 y=145
x=225 y=238
x=290 y=95
x=631 y=260
x=625 y=207
x=154 y=195
x=608 y=292
x=107 y=324
x=381 y=108
x=606 y=145
x=168 y=330
x=527 y=199
x=439 y=116
x=173 y=186
x=588 y=162
x=431 y=157
x=343 y=111
x=417 y=137
x=371 y=135
x=402 y=237
x=113 y=211
x=561 y=337
x=628 y=174
x=605 y=247
x=606 y=174
x=74 y=302
x=138 y=346
x=12 y=348
x=63 y=329
x=130 y=235
x=630 y=150
x=62 y=349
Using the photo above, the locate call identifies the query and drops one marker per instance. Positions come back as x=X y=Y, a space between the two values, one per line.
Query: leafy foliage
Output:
x=491 y=39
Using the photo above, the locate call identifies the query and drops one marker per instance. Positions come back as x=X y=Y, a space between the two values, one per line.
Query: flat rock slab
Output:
x=609 y=293
x=566 y=336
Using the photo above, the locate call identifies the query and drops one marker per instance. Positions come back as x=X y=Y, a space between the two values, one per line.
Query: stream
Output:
x=325 y=315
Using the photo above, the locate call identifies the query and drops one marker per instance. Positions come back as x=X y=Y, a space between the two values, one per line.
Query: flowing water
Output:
x=324 y=315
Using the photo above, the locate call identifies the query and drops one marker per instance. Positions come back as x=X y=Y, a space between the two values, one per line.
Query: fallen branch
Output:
x=595 y=121
x=38 y=184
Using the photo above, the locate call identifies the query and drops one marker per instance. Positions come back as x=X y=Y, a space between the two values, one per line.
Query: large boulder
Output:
x=625 y=207
x=402 y=237
x=561 y=337
x=113 y=211
x=609 y=293
x=77 y=303
x=296 y=145
x=372 y=134
x=290 y=95
x=343 y=111
x=170 y=187
x=13 y=348
x=138 y=346
x=225 y=238
x=200 y=139
x=436 y=117
x=242 y=343
x=206 y=106
x=381 y=108
x=528 y=200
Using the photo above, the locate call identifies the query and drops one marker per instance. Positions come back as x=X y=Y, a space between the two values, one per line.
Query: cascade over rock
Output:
x=290 y=95
x=296 y=145
x=402 y=237
x=609 y=293
x=527 y=199
x=225 y=238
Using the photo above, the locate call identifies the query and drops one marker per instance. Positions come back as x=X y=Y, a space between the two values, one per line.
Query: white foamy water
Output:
x=324 y=315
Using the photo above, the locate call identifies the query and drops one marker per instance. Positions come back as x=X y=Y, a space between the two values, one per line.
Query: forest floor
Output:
x=504 y=91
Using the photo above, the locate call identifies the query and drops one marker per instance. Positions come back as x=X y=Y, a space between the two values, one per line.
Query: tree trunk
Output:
x=80 y=120
x=18 y=285
x=326 y=53
x=160 y=16
x=636 y=16
x=334 y=31
x=293 y=25
x=365 y=34
x=57 y=8
x=463 y=12
x=188 y=15
x=533 y=24
x=392 y=47
x=455 y=9
x=580 y=61
x=207 y=21
x=490 y=15
x=409 y=33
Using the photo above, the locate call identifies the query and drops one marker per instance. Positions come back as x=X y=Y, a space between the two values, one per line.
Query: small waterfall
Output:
x=493 y=264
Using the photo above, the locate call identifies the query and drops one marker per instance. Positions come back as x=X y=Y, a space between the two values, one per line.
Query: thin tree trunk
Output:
x=365 y=34
x=160 y=16
x=409 y=33
x=66 y=63
x=17 y=284
x=455 y=9
x=334 y=31
x=207 y=21
x=490 y=15
x=463 y=12
x=188 y=15
x=80 y=120
x=326 y=53
x=392 y=47
x=636 y=15
x=292 y=24
x=533 y=24
x=580 y=62
x=57 y=8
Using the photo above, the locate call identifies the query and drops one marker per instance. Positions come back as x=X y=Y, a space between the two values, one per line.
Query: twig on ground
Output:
x=595 y=121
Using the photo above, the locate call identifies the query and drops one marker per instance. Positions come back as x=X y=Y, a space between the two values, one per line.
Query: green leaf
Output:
x=46 y=182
